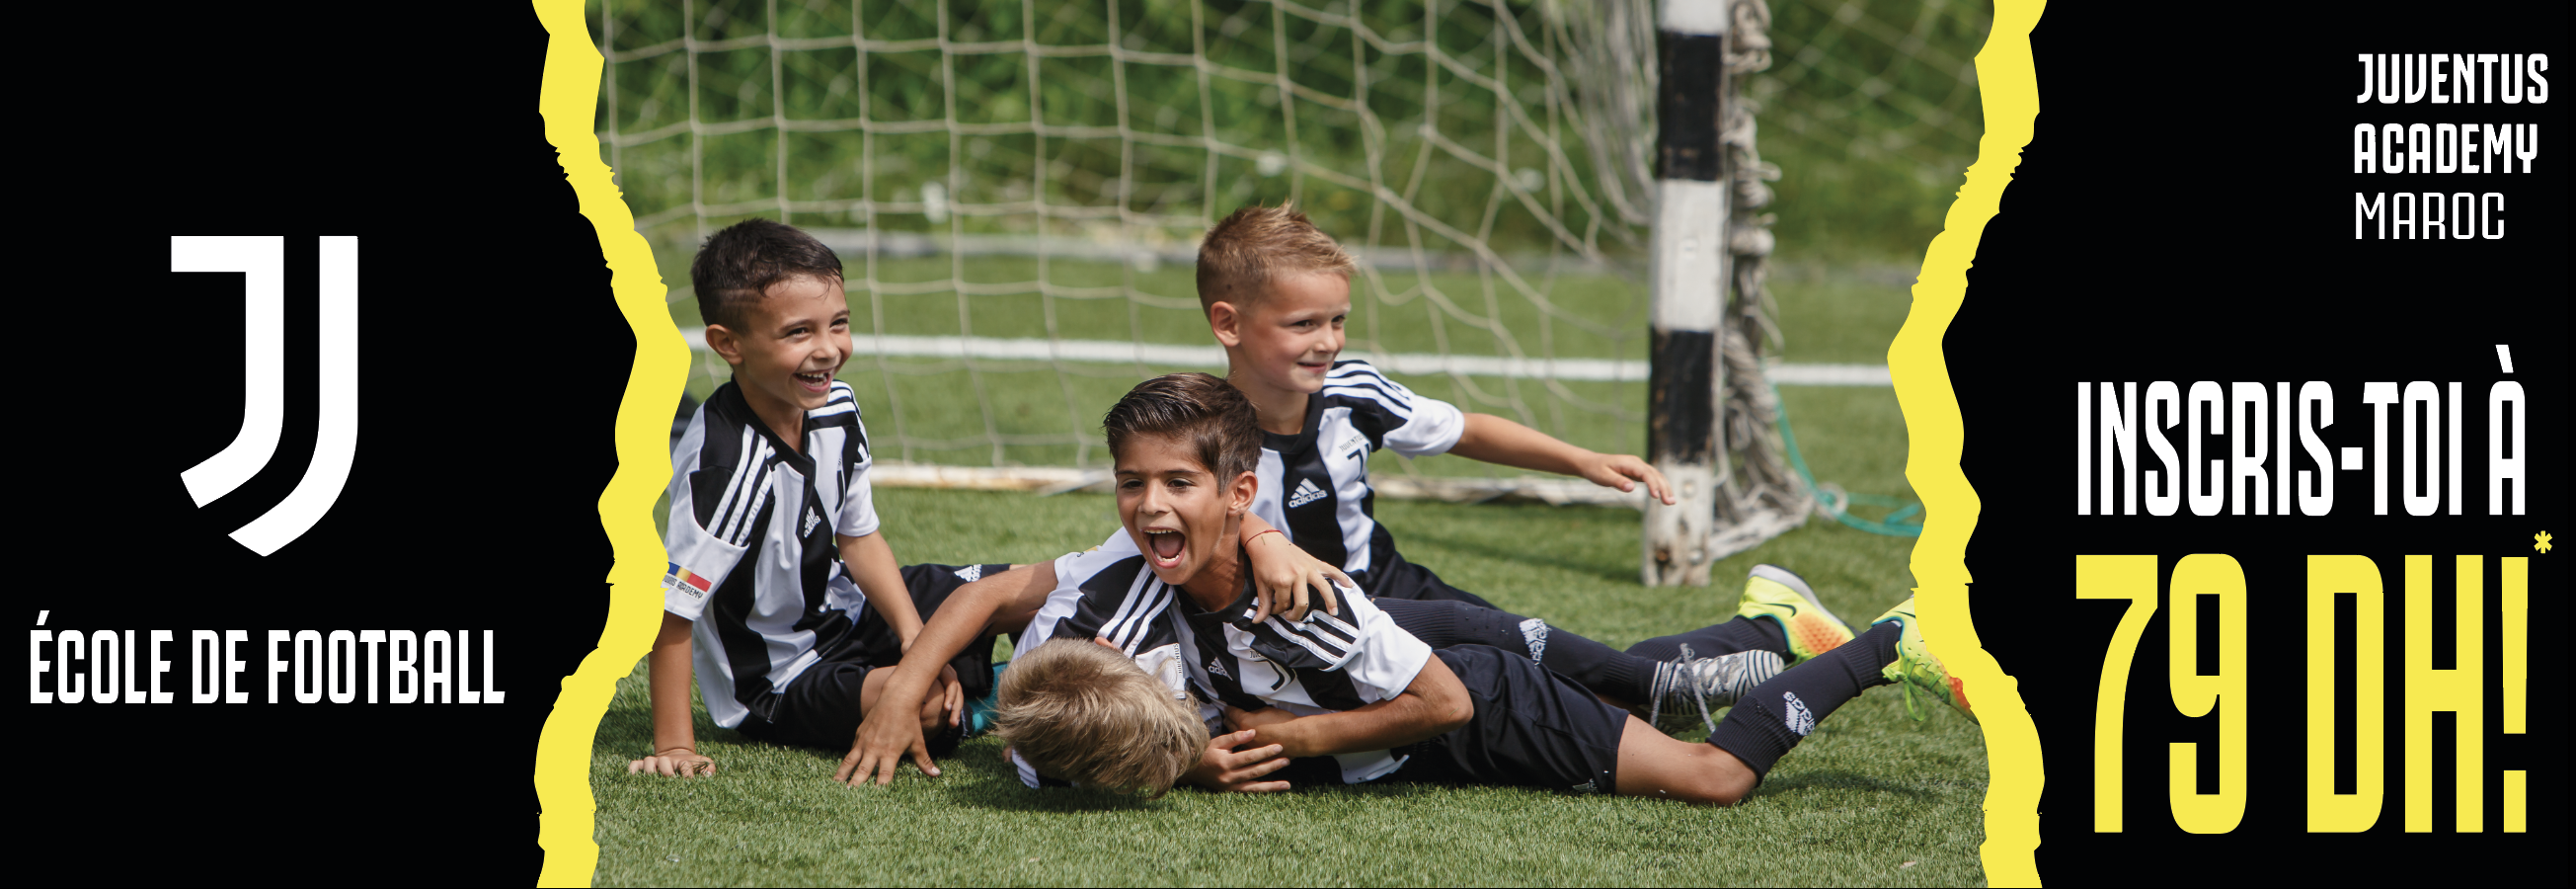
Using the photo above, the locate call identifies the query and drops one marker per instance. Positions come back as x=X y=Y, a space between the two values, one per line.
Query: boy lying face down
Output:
x=1122 y=672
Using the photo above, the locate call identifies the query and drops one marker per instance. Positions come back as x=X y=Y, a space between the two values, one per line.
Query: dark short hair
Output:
x=736 y=266
x=1206 y=412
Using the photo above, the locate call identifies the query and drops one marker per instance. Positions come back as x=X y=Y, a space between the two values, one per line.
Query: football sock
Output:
x=1739 y=634
x=1598 y=668
x=1775 y=715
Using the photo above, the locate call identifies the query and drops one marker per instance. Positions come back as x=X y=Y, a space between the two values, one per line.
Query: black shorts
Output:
x=821 y=708
x=1532 y=728
x=1405 y=580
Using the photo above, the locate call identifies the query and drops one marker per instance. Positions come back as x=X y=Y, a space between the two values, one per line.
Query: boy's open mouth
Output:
x=817 y=380
x=1166 y=545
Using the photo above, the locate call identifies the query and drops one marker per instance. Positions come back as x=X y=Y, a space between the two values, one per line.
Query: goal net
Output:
x=1017 y=187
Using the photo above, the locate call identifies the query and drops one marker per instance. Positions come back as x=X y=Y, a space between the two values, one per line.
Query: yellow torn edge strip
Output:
x=568 y=99
x=2009 y=88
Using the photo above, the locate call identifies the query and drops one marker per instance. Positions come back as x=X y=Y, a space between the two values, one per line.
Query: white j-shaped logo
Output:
x=262 y=261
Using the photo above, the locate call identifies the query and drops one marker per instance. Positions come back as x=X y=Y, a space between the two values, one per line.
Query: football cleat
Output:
x=1773 y=592
x=1917 y=670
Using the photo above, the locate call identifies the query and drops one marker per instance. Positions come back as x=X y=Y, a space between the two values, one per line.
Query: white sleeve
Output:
x=1377 y=657
x=698 y=558
x=1433 y=429
x=1413 y=425
x=1388 y=657
x=858 y=508
x=1071 y=569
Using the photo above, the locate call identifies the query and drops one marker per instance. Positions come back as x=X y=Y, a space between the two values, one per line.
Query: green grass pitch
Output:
x=1870 y=798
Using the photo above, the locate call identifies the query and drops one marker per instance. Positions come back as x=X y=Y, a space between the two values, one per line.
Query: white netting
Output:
x=1018 y=187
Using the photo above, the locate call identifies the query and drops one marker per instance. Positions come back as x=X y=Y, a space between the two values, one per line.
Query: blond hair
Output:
x=1085 y=713
x=1243 y=252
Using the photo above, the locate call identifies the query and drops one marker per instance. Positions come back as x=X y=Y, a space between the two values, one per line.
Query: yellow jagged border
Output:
x=2008 y=86
x=568 y=99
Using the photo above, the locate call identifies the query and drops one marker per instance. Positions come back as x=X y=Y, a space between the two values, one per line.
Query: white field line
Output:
x=1112 y=352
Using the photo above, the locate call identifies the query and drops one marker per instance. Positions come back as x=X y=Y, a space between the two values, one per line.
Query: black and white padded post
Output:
x=1690 y=274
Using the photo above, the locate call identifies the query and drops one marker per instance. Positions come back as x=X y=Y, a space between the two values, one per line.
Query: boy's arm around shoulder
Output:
x=1435 y=704
x=890 y=731
x=1493 y=439
x=667 y=676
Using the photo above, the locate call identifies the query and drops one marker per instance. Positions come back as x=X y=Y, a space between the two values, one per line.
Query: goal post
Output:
x=1709 y=410
x=1690 y=271
x=1016 y=187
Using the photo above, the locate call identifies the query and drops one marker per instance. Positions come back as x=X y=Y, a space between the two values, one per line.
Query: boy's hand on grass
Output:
x=678 y=762
x=884 y=737
x=1282 y=575
x=1623 y=471
x=1223 y=769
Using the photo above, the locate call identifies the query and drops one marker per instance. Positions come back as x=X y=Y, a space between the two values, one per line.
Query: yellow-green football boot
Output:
x=1917 y=670
x=1775 y=593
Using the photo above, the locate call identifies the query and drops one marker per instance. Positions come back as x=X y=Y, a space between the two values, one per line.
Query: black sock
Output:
x=1740 y=634
x=1775 y=715
x=1599 y=668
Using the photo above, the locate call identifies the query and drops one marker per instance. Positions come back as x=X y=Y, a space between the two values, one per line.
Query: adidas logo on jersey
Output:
x=808 y=526
x=1218 y=668
x=1306 y=493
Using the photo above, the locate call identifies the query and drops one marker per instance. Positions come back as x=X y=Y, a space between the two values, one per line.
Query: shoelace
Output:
x=1681 y=672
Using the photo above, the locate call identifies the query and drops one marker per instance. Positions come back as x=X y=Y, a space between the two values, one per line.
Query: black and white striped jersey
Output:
x=752 y=556
x=1325 y=663
x=1314 y=484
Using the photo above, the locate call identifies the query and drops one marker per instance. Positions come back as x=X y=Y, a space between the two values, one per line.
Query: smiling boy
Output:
x=1340 y=698
x=781 y=594
x=1277 y=293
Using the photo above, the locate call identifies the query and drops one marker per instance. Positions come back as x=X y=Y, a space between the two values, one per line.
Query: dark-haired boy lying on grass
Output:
x=1331 y=698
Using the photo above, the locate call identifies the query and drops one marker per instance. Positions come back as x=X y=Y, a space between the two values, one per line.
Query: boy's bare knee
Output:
x=1697 y=774
x=1712 y=788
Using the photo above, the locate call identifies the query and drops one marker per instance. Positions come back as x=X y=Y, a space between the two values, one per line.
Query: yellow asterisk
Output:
x=2540 y=542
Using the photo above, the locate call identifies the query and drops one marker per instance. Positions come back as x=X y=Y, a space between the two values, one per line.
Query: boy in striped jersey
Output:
x=1180 y=610
x=781 y=595
x=1339 y=698
x=1276 y=292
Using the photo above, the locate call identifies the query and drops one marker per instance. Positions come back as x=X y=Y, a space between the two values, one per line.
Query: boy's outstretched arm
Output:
x=1434 y=704
x=666 y=671
x=1000 y=603
x=1494 y=439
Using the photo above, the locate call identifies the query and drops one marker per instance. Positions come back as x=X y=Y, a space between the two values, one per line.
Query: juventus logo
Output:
x=262 y=262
